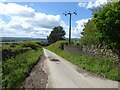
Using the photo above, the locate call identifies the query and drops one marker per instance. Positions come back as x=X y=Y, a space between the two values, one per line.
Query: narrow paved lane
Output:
x=62 y=74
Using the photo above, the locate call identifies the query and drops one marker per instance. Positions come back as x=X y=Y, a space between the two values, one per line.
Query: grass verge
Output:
x=16 y=69
x=101 y=66
x=0 y=74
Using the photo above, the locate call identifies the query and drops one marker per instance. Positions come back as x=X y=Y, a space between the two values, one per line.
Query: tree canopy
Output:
x=90 y=34
x=104 y=27
x=108 y=24
x=56 y=34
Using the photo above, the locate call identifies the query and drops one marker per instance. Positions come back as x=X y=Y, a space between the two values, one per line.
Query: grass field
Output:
x=17 y=45
x=100 y=66
x=16 y=69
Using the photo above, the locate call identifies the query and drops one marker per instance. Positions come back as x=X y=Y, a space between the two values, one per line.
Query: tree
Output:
x=90 y=34
x=108 y=24
x=56 y=34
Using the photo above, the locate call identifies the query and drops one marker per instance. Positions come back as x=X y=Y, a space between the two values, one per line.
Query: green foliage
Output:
x=21 y=45
x=104 y=27
x=57 y=34
x=32 y=45
x=0 y=73
x=15 y=69
x=11 y=46
x=108 y=24
x=90 y=34
x=44 y=43
x=101 y=66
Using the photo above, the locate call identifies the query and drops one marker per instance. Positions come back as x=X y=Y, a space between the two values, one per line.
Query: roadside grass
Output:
x=0 y=74
x=100 y=66
x=16 y=69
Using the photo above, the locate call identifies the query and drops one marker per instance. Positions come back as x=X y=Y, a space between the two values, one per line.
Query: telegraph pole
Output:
x=70 y=13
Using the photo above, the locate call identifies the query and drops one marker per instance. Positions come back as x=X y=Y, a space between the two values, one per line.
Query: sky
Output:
x=37 y=19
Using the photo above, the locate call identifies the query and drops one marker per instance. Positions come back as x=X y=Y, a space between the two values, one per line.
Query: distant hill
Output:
x=10 y=39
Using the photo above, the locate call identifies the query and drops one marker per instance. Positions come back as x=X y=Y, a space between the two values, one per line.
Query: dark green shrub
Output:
x=44 y=43
x=12 y=45
x=61 y=46
x=66 y=43
x=32 y=45
x=38 y=42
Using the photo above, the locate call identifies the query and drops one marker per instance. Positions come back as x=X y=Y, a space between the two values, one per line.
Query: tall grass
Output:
x=0 y=74
x=15 y=69
x=101 y=66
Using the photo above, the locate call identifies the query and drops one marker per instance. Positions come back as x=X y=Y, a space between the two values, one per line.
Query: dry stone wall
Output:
x=94 y=50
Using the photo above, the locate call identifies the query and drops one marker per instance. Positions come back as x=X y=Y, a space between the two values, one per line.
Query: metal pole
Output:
x=70 y=29
x=70 y=13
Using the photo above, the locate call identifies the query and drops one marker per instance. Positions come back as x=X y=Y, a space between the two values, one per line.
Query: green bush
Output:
x=11 y=46
x=32 y=45
x=44 y=43
x=90 y=34
x=38 y=42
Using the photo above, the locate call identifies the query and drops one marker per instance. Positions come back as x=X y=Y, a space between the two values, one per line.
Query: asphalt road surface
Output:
x=63 y=74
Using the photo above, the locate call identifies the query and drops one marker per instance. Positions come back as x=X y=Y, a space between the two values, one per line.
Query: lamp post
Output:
x=70 y=14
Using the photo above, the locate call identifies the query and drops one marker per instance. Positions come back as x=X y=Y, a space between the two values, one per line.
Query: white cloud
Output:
x=12 y=9
x=24 y=21
x=96 y=3
x=82 y=4
x=46 y=21
x=92 y=4
x=75 y=31
x=65 y=27
x=2 y=25
x=33 y=24
x=79 y=27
